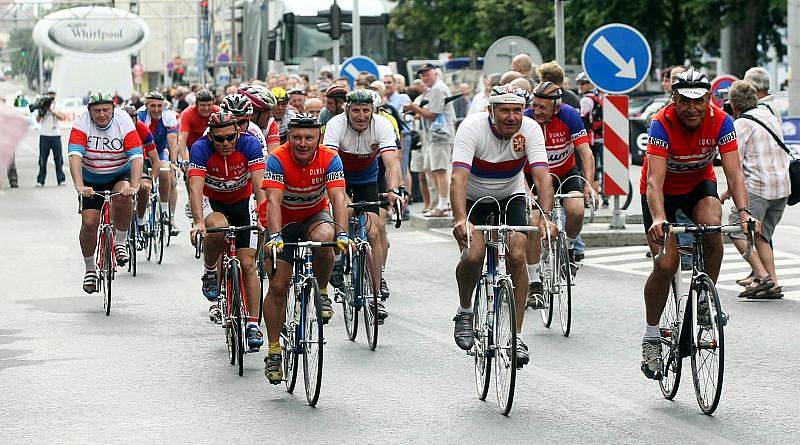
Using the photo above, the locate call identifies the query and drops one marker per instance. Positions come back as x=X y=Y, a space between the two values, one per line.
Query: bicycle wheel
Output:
x=505 y=344
x=564 y=285
x=312 y=340
x=708 y=349
x=549 y=268
x=369 y=293
x=133 y=236
x=108 y=269
x=347 y=294
x=151 y=228
x=237 y=314
x=289 y=338
x=670 y=343
x=483 y=341
x=158 y=241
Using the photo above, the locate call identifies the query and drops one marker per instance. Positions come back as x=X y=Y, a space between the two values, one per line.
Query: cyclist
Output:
x=301 y=177
x=242 y=109
x=564 y=138
x=146 y=185
x=491 y=149
x=361 y=136
x=194 y=121
x=105 y=153
x=163 y=124
x=263 y=103
x=334 y=103
x=282 y=112
x=678 y=174
x=225 y=170
x=592 y=116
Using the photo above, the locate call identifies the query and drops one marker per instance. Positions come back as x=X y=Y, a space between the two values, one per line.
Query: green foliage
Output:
x=22 y=61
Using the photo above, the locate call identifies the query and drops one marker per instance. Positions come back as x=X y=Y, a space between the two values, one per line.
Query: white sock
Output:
x=140 y=221
x=571 y=242
x=652 y=331
x=89 y=262
x=444 y=203
x=462 y=310
x=119 y=237
x=165 y=206
x=533 y=273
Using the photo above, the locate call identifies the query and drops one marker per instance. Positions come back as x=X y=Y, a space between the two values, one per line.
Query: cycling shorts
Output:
x=96 y=202
x=238 y=214
x=673 y=203
x=301 y=231
x=487 y=211
x=364 y=192
x=573 y=184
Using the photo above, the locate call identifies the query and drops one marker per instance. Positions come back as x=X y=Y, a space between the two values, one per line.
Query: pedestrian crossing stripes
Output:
x=632 y=260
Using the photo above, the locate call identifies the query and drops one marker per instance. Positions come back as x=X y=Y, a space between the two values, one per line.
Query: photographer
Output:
x=49 y=137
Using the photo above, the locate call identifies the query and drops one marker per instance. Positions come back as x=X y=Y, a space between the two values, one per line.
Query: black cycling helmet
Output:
x=154 y=95
x=304 y=120
x=548 y=90
x=203 y=96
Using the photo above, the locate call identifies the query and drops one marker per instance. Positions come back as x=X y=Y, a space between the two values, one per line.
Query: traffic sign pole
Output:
x=615 y=153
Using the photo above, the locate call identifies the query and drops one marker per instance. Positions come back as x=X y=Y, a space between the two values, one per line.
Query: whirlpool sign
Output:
x=91 y=30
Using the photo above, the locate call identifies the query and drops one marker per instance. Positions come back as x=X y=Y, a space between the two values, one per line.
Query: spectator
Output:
x=552 y=72
x=523 y=64
x=759 y=78
x=297 y=99
x=481 y=99
x=50 y=140
x=462 y=104
x=416 y=92
x=136 y=100
x=400 y=83
x=509 y=76
x=343 y=81
x=438 y=120
x=397 y=101
x=523 y=83
x=766 y=172
x=313 y=106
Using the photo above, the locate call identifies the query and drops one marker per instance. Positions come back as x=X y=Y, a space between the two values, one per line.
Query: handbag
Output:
x=794 y=164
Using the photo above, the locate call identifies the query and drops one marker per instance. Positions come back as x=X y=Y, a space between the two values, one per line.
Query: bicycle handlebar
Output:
x=704 y=229
x=231 y=229
x=198 y=245
x=506 y=228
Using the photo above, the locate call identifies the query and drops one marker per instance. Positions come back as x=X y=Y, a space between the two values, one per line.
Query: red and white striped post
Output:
x=615 y=153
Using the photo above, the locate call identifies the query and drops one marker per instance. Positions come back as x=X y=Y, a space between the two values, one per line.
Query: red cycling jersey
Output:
x=561 y=135
x=690 y=154
x=227 y=178
x=148 y=143
x=194 y=124
x=304 y=186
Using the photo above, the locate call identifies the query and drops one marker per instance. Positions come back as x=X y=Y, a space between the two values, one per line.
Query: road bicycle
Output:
x=104 y=254
x=157 y=223
x=133 y=241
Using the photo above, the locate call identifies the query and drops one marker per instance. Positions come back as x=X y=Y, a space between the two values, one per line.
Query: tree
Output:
x=24 y=61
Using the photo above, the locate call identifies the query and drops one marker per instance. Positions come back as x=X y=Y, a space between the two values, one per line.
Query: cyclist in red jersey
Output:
x=194 y=121
x=263 y=103
x=300 y=178
x=149 y=149
x=678 y=174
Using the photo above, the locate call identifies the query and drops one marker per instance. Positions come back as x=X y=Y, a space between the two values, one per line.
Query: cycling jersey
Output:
x=304 y=186
x=253 y=130
x=562 y=134
x=496 y=163
x=690 y=155
x=194 y=124
x=167 y=124
x=283 y=127
x=271 y=133
x=148 y=143
x=227 y=178
x=106 y=152
x=359 y=151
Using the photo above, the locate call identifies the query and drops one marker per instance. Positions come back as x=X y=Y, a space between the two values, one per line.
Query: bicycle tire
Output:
x=313 y=343
x=159 y=241
x=564 y=285
x=289 y=340
x=547 y=285
x=483 y=341
x=671 y=359
x=108 y=269
x=133 y=235
x=369 y=293
x=714 y=341
x=505 y=346
x=347 y=294
x=151 y=228
x=238 y=322
x=628 y=197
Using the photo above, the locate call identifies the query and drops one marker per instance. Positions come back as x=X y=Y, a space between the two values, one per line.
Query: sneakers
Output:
x=462 y=331
x=536 y=296
x=210 y=285
x=523 y=357
x=382 y=314
x=91 y=282
x=121 y=252
x=254 y=337
x=273 y=369
x=384 y=289
x=174 y=231
x=327 y=307
x=188 y=211
x=214 y=314
x=651 y=358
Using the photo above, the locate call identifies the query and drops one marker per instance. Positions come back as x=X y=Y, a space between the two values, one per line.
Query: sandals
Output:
x=773 y=293
x=744 y=282
x=91 y=282
x=436 y=213
x=756 y=286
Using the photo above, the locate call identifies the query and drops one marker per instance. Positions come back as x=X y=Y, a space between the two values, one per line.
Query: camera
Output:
x=42 y=105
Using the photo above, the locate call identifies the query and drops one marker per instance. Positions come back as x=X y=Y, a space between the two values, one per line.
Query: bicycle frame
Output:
x=105 y=221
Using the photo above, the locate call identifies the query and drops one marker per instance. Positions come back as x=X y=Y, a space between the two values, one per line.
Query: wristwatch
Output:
x=744 y=209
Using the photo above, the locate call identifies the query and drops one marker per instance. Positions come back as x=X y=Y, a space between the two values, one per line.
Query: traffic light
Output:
x=335 y=21
x=23 y=53
x=204 y=9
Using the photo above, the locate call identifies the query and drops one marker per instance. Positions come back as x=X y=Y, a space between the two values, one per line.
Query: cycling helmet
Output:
x=154 y=95
x=280 y=95
x=359 y=96
x=100 y=97
x=237 y=104
x=692 y=84
x=582 y=77
x=203 y=96
x=296 y=91
x=260 y=96
x=336 y=91
x=507 y=94
x=221 y=119
x=377 y=100
x=304 y=120
x=548 y=90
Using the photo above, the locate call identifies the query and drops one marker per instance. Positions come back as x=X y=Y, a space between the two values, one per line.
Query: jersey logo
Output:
x=518 y=142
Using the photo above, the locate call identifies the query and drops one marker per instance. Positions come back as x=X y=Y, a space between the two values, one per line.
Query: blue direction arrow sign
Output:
x=616 y=58
x=353 y=66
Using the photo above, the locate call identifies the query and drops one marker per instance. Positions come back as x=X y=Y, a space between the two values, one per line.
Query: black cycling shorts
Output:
x=573 y=184
x=486 y=211
x=300 y=231
x=238 y=214
x=364 y=192
x=96 y=202
x=673 y=203
x=382 y=187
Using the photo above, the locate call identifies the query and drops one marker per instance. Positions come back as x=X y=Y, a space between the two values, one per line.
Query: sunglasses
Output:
x=222 y=139
x=243 y=122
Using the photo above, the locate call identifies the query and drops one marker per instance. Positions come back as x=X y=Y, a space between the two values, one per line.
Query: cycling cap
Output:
x=296 y=91
x=304 y=120
x=260 y=96
x=221 y=119
x=582 y=77
x=692 y=84
x=101 y=97
x=280 y=94
x=237 y=104
x=547 y=90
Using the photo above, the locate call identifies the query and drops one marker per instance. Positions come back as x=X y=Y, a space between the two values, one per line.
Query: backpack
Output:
x=596 y=114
